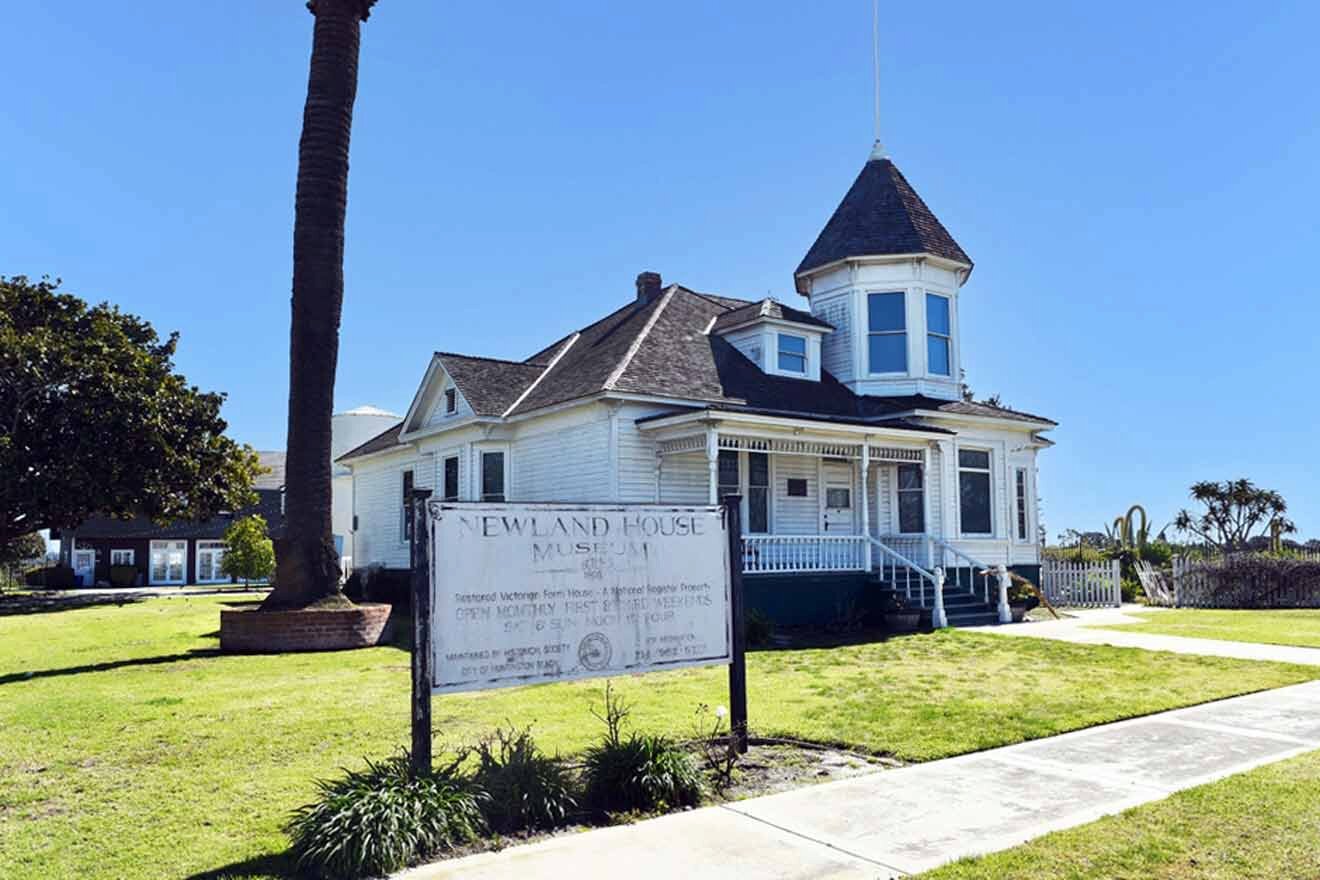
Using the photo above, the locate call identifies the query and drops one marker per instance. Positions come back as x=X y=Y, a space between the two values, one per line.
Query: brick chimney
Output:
x=648 y=287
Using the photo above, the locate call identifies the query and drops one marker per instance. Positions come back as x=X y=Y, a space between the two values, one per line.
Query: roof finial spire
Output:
x=878 y=148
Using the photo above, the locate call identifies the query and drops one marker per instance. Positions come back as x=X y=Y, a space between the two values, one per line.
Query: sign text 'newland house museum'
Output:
x=839 y=420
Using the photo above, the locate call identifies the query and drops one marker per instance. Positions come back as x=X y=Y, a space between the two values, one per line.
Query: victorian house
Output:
x=839 y=419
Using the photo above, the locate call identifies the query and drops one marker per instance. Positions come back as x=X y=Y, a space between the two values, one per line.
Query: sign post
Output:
x=422 y=656
x=738 y=662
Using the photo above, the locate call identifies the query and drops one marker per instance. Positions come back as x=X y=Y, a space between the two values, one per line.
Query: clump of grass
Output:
x=526 y=789
x=375 y=821
x=637 y=772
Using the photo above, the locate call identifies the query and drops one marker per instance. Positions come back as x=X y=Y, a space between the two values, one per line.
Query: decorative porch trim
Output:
x=788 y=446
x=680 y=445
x=894 y=453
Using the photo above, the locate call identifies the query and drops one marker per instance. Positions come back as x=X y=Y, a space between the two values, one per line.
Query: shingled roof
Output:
x=490 y=386
x=881 y=215
x=667 y=346
x=767 y=308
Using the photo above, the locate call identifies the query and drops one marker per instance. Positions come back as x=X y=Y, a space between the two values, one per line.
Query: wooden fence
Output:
x=1082 y=584
x=1226 y=582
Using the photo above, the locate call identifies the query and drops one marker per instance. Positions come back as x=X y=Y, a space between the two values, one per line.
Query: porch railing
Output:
x=901 y=572
x=764 y=554
x=969 y=573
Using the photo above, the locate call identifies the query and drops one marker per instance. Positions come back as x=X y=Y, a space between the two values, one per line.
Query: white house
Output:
x=349 y=430
x=841 y=423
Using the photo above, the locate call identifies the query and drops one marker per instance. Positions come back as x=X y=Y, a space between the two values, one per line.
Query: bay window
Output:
x=886 y=342
x=974 y=491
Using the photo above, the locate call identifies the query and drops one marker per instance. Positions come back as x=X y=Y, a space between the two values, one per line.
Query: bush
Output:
x=378 y=820
x=638 y=772
x=123 y=576
x=526 y=789
x=53 y=577
x=758 y=628
x=393 y=586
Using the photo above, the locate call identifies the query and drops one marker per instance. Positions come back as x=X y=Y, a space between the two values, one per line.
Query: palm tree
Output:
x=308 y=566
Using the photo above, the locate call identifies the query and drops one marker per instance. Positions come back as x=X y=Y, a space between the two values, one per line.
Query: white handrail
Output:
x=803 y=553
x=895 y=559
x=977 y=567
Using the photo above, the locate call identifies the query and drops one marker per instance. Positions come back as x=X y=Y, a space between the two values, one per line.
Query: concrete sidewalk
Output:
x=903 y=821
x=1084 y=625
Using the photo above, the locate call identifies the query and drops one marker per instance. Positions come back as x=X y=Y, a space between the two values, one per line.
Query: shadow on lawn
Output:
x=269 y=865
x=195 y=654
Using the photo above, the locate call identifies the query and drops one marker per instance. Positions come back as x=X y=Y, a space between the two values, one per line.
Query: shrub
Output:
x=637 y=772
x=377 y=820
x=123 y=575
x=525 y=788
x=758 y=628
x=55 y=577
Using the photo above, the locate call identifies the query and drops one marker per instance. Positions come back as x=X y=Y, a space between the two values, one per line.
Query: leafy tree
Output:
x=1235 y=512
x=94 y=419
x=308 y=566
x=24 y=548
x=249 y=552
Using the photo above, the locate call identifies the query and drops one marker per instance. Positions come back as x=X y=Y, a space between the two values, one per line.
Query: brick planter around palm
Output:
x=275 y=632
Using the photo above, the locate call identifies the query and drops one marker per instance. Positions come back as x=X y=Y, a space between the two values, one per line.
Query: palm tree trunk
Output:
x=308 y=566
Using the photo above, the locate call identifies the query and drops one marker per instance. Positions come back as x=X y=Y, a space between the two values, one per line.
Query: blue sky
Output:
x=1136 y=182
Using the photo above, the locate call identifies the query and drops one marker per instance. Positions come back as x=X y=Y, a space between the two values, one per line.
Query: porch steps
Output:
x=960 y=607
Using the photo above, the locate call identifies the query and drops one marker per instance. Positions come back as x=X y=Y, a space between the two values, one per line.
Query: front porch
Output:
x=870 y=503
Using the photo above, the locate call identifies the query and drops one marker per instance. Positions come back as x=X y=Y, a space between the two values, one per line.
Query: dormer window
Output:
x=887 y=333
x=793 y=353
x=451 y=401
x=938 y=335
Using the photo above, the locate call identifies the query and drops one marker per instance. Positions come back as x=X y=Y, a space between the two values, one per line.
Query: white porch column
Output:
x=866 y=502
x=948 y=491
x=713 y=462
x=1005 y=612
x=925 y=504
x=938 y=619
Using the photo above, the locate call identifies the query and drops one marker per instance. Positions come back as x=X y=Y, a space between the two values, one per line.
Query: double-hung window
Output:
x=1020 y=493
x=974 y=491
x=939 y=336
x=451 y=478
x=121 y=557
x=492 y=476
x=405 y=507
x=886 y=333
x=792 y=353
x=911 y=500
x=758 y=492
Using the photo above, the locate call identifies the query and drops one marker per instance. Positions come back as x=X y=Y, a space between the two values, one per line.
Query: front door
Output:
x=210 y=555
x=84 y=565
x=836 y=516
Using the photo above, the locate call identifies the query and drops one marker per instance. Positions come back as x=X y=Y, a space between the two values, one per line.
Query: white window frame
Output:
x=989 y=470
x=805 y=354
x=451 y=400
x=166 y=546
x=743 y=490
x=458 y=476
x=210 y=546
x=895 y=492
x=948 y=338
x=867 y=333
x=115 y=551
x=1022 y=505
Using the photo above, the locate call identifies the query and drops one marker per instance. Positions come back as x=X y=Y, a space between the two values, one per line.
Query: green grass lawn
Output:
x=1292 y=627
x=1262 y=824
x=130 y=749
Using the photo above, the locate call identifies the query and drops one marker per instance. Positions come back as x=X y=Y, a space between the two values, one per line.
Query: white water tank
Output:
x=349 y=430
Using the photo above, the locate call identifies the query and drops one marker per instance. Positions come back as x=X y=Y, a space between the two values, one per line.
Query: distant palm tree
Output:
x=308 y=566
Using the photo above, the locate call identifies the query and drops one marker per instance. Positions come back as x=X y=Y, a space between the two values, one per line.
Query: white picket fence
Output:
x=1082 y=584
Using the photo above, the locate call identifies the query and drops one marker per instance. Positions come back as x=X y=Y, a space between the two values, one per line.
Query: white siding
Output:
x=836 y=348
x=438 y=414
x=795 y=516
x=564 y=457
x=685 y=479
x=751 y=342
x=377 y=496
x=935 y=494
x=639 y=467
